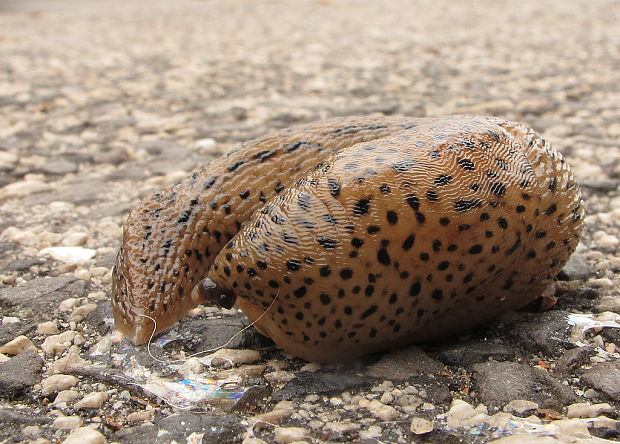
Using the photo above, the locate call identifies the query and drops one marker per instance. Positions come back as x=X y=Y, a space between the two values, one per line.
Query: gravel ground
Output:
x=101 y=104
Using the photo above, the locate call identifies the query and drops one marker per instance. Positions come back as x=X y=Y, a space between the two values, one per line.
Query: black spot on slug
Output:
x=361 y=207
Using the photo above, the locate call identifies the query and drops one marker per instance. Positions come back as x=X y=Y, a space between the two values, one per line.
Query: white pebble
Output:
x=373 y=431
x=109 y=229
x=192 y=366
x=81 y=312
x=231 y=356
x=583 y=410
x=386 y=398
x=290 y=434
x=56 y=383
x=23 y=188
x=92 y=401
x=336 y=401
x=17 y=345
x=604 y=239
x=74 y=239
x=10 y=320
x=463 y=415
x=206 y=145
x=500 y=420
x=67 y=422
x=82 y=274
x=142 y=415
x=22 y=237
x=68 y=304
x=66 y=396
x=420 y=426
x=85 y=435
x=70 y=255
x=382 y=411
x=601 y=283
x=57 y=344
x=47 y=328
x=31 y=430
x=520 y=406
x=8 y=160
x=61 y=207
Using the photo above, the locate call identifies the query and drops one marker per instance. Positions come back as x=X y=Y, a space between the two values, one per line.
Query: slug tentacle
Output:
x=431 y=227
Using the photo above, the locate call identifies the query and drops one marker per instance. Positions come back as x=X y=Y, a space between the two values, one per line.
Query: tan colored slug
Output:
x=355 y=235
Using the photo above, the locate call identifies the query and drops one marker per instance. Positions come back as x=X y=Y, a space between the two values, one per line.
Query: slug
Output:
x=355 y=235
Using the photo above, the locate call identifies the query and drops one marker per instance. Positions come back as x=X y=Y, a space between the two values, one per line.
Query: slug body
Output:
x=356 y=235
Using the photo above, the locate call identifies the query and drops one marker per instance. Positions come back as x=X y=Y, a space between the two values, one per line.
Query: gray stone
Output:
x=22 y=264
x=306 y=383
x=216 y=429
x=19 y=374
x=44 y=294
x=199 y=333
x=14 y=419
x=575 y=269
x=572 y=360
x=604 y=377
x=143 y=433
x=405 y=363
x=548 y=332
x=99 y=318
x=474 y=352
x=59 y=167
x=11 y=330
x=501 y=382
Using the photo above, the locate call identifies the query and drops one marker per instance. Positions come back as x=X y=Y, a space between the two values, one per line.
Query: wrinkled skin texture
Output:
x=356 y=235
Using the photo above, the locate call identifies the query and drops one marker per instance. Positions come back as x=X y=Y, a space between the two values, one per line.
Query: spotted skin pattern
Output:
x=414 y=230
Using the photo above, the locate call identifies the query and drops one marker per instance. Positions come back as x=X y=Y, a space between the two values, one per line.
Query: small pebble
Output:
x=231 y=357
x=74 y=239
x=31 y=430
x=420 y=426
x=290 y=434
x=71 y=255
x=604 y=239
x=463 y=415
x=583 y=410
x=85 y=435
x=56 y=383
x=253 y=440
x=66 y=396
x=92 y=401
x=67 y=422
x=382 y=411
x=47 y=328
x=386 y=398
x=17 y=345
x=56 y=344
x=23 y=188
x=342 y=427
x=10 y=320
x=68 y=304
x=500 y=420
x=191 y=366
x=142 y=415
x=520 y=406
x=70 y=361
x=373 y=431
x=207 y=145
x=82 y=274
x=82 y=311
x=8 y=160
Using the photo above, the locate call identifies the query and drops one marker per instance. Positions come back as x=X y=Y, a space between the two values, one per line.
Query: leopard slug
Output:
x=356 y=234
